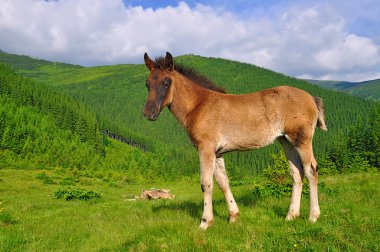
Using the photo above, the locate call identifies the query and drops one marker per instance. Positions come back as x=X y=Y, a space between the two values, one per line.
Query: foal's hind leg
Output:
x=224 y=185
x=311 y=172
x=296 y=171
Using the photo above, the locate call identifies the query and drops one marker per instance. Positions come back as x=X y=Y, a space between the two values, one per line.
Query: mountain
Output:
x=116 y=96
x=366 y=89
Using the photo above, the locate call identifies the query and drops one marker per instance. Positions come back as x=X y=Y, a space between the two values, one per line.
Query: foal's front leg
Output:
x=207 y=162
x=224 y=185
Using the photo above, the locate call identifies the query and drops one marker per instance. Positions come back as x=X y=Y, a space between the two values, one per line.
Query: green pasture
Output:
x=32 y=219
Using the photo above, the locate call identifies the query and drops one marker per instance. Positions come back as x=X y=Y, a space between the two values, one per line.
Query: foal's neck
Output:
x=187 y=97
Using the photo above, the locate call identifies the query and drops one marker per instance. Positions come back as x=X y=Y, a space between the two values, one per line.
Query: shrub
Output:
x=269 y=188
x=279 y=171
x=76 y=193
x=326 y=166
x=277 y=181
x=358 y=164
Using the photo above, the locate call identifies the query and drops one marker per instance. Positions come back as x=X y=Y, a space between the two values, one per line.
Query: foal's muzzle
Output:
x=151 y=112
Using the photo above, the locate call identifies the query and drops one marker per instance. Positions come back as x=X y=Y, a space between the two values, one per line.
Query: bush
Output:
x=358 y=164
x=326 y=166
x=276 y=182
x=269 y=188
x=279 y=172
x=76 y=193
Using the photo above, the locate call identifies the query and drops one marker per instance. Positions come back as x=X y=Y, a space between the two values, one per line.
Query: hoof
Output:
x=314 y=215
x=233 y=217
x=205 y=224
x=292 y=216
x=313 y=219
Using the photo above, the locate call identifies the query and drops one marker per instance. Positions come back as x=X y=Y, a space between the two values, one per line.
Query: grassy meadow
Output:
x=32 y=219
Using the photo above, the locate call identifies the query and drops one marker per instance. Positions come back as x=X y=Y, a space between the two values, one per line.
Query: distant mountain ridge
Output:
x=366 y=89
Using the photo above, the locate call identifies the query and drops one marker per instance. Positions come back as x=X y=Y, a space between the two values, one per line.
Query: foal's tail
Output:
x=321 y=113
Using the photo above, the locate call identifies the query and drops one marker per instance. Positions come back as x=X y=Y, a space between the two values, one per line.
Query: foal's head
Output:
x=159 y=84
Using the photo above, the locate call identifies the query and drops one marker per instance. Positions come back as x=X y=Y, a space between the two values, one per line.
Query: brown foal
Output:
x=217 y=123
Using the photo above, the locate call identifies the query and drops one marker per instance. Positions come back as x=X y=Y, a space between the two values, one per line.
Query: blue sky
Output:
x=237 y=6
x=324 y=39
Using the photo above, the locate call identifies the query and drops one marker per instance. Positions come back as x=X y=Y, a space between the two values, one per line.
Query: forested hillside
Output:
x=116 y=95
x=43 y=128
x=66 y=112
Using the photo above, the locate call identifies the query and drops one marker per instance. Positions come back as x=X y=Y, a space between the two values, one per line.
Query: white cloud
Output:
x=315 y=42
x=352 y=53
x=299 y=40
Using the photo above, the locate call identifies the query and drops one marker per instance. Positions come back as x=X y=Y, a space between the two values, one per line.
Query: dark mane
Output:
x=191 y=74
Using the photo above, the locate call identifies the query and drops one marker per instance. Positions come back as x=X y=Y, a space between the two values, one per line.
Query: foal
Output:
x=218 y=123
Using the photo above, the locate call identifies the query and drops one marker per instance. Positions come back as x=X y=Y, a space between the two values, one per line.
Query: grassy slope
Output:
x=366 y=89
x=350 y=219
x=117 y=95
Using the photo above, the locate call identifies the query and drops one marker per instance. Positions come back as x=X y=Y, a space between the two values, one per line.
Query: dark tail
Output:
x=321 y=113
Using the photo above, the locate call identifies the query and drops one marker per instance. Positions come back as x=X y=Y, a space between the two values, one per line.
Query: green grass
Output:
x=37 y=221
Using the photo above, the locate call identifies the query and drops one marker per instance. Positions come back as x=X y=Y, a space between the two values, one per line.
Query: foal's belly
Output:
x=247 y=140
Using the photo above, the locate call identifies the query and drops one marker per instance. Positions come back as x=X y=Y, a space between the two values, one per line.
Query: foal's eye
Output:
x=167 y=82
x=147 y=84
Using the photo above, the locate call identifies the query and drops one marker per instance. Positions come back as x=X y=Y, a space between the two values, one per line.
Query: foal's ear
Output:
x=169 y=62
x=148 y=62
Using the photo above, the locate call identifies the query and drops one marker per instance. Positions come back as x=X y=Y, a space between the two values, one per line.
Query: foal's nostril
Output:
x=151 y=116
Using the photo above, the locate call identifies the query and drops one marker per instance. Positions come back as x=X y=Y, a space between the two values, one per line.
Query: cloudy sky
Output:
x=319 y=39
